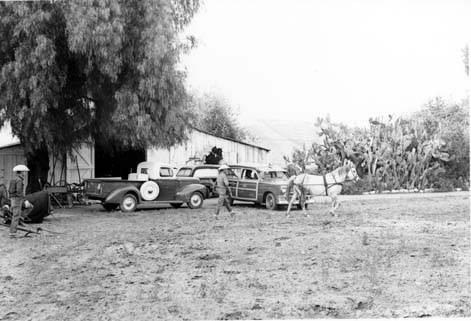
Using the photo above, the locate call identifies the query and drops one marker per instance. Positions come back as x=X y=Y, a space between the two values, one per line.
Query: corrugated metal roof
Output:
x=261 y=167
x=6 y=137
x=9 y=145
x=230 y=139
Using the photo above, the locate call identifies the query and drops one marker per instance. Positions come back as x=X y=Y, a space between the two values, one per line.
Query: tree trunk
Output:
x=38 y=164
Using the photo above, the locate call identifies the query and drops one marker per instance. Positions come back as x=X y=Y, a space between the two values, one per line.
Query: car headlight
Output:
x=283 y=189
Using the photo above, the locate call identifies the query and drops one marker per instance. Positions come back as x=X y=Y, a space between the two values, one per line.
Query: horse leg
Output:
x=291 y=201
x=335 y=204
x=302 y=200
x=304 y=209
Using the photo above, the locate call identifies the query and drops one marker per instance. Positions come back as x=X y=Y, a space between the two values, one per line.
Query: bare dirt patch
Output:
x=382 y=257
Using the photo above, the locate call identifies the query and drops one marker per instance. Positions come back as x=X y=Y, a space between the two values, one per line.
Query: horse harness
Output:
x=327 y=186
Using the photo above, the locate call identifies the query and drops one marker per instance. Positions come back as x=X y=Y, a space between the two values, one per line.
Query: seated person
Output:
x=248 y=174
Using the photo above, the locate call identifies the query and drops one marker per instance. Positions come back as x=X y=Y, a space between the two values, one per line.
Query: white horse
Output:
x=329 y=184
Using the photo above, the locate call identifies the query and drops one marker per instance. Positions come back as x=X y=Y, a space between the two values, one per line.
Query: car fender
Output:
x=116 y=195
x=185 y=192
x=275 y=190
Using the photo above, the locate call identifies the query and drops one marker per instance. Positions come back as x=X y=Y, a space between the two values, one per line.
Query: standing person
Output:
x=4 y=201
x=3 y=193
x=17 y=196
x=222 y=188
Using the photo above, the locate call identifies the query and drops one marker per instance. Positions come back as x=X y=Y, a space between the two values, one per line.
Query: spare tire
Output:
x=149 y=191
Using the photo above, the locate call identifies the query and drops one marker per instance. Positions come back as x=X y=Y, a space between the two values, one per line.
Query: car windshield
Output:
x=275 y=175
x=166 y=172
x=184 y=172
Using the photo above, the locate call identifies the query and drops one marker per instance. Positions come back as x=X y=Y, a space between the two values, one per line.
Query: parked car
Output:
x=261 y=184
x=206 y=173
x=153 y=183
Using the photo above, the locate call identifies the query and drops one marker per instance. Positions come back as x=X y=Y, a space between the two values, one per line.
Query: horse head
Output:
x=311 y=169
x=352 y=174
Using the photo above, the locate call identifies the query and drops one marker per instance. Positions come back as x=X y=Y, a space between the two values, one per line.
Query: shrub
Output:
x=430 y=149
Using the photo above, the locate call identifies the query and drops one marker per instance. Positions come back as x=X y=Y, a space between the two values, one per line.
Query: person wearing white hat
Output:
x=222 y=188
x=17 y=195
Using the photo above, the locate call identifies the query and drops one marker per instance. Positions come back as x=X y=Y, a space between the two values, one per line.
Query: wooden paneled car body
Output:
x=261 y=184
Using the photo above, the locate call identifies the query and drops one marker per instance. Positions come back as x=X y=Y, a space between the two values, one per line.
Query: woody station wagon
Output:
x=260 y=184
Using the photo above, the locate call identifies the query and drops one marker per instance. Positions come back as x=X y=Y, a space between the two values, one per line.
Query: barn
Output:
x=91 y=161
x=201 y=142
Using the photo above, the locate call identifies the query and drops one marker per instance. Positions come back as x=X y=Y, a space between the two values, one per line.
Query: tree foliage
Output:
x=215 y=115
x=106 y=70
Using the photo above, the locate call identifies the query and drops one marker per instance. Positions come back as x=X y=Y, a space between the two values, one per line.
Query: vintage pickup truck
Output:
x=153 y=183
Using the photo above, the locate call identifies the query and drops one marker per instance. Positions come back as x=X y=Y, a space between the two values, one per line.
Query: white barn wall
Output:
x=56 y=174
x=200 y=144
x=79 y=166
x=9 y=158
x=14 y=155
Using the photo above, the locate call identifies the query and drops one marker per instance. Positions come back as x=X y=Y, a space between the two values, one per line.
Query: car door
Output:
x=167 y=184
x=247 y=189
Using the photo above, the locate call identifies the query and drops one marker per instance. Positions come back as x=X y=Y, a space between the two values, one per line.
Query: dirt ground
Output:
x=384 y=256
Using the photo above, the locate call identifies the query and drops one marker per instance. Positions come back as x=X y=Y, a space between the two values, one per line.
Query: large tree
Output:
x=215 y=115
x=104 y=71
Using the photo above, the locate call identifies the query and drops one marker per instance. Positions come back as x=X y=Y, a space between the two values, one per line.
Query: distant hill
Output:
x=282 y=136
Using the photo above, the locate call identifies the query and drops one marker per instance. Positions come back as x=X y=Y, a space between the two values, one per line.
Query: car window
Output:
x=246 y=174
x=250 y=174
x=184 y=172
x=275 y=175
x=206 y=172
x=166 y=172
x=237 y=172
x=144 y=170
x=231 y=174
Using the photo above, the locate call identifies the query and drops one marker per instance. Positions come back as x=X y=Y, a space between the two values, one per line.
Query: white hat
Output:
x=20 y=168
x=223 y=167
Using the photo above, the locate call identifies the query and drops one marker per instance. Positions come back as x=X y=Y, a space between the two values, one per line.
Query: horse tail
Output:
x=290 y=186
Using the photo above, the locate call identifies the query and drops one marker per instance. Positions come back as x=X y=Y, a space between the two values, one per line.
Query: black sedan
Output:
x=206 y=173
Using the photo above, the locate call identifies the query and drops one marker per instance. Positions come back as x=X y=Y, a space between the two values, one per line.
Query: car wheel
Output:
x=128 y=203
x=270 y=201
x=109 y=207
x=196 y=200
x=176 y=205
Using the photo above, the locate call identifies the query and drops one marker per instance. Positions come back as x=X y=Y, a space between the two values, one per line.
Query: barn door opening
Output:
x=111 y=161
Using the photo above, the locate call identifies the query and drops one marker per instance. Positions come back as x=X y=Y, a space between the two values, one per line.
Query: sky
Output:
x=352 y=60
